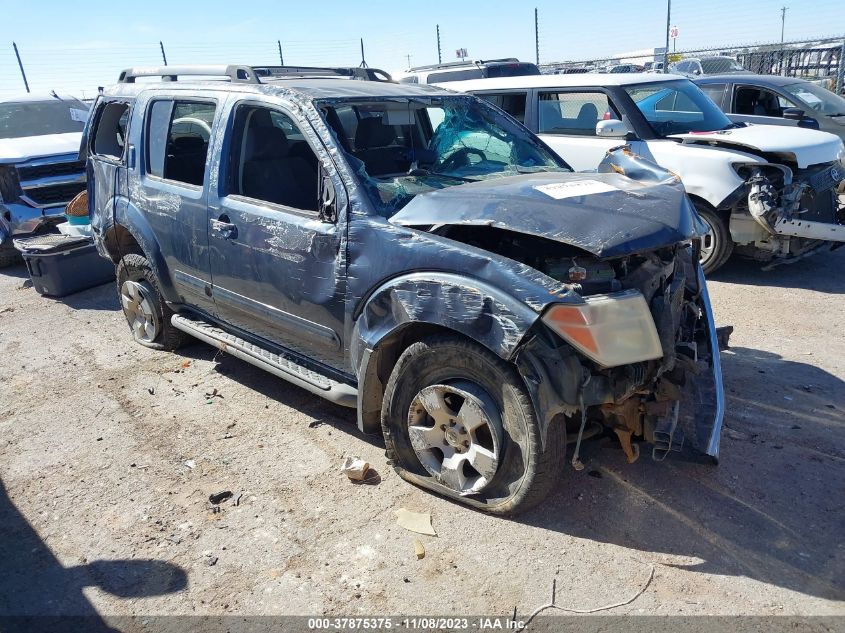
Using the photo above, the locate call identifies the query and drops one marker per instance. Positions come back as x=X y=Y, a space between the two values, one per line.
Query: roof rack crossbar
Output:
x=251 y=74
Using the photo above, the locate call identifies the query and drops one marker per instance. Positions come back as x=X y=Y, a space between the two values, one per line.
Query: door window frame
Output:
x=226 y=165
x=97 y=116
x=539 y=92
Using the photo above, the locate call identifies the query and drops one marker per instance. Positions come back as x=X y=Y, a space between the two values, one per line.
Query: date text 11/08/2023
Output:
x=423 y=623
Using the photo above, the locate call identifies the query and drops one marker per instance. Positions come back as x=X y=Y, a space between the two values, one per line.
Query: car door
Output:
x=566 y=120
x=276 y=262
x=172 y=183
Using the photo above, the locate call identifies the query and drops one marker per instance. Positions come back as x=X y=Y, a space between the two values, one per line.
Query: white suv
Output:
x=765 y=191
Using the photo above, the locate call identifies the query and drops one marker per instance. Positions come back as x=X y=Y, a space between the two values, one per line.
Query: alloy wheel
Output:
x=456 y=433
x=137 y=299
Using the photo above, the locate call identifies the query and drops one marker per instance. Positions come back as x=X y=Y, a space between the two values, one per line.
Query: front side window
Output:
x=404 y=147
x=40 y=118
x=511 y=102
x=715 y=92
x=574 y=113
x=817 y=99
x=677 y=107
x=270 y=159
x=178 y=134
x=759 y=102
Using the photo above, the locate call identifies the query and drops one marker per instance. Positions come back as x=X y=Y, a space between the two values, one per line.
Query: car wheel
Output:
x=457 y=419
x=716 y=245
x=145 y=310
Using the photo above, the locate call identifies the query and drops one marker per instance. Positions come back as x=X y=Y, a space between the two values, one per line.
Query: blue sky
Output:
x=75 y=46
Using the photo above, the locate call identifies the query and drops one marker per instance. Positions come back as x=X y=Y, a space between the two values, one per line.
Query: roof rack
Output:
x=238 y=73
x=469 y=62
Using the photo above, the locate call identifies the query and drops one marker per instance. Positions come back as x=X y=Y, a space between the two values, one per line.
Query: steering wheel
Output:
x=461 y=158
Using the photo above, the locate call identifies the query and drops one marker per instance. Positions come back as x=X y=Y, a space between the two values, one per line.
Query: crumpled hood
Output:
x=19 y=150
x=605 y=214
x=805 y=147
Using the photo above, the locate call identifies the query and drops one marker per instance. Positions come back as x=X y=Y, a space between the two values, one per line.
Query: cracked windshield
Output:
x=402 y=148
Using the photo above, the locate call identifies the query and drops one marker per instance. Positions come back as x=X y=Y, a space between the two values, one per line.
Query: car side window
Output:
x=178 y=134
x=110 y=134
x=574 y=113
x=682 y=67
x=511 y=102
x=270 y=160
x=758 y=102
x=715 y=92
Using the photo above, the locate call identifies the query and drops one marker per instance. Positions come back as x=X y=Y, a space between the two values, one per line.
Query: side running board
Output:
x=282 y=365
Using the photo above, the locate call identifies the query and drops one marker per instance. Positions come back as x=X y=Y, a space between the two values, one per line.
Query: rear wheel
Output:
x=456 y=418
x=145 y=310
x=716 y=245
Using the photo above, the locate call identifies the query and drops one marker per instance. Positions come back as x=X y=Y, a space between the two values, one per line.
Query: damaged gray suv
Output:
x=417 y=255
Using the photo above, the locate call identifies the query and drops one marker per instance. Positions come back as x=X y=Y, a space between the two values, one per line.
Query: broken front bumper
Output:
x=17 y=218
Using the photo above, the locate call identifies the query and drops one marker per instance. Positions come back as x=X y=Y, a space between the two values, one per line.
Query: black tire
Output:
x=9 y=256
x=526 y=471
x=719 y=240
x=136 y=268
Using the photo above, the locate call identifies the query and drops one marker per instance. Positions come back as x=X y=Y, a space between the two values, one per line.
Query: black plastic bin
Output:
x=60 y=265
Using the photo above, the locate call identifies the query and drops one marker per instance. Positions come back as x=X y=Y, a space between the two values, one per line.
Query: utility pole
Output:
x=439 y=56
x=363 y=61
x=536 y=36
x=782 y=22
x=668 y=26
x=23 y=74
x=163 y=56
x=281 y=57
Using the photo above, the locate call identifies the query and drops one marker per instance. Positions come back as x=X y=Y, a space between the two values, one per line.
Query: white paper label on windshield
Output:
x=78 y=115
x=560 y=190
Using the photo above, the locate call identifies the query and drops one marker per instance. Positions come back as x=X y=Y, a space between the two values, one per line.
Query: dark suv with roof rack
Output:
x=416 y=255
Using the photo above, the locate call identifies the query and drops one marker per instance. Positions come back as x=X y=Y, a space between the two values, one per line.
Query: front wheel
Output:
x=457 y=419
x=716 y=245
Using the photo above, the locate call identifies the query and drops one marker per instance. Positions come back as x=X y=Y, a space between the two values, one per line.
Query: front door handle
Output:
x=225 y=229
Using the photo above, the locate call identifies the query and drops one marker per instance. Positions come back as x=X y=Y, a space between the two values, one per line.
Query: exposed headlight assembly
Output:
x=612 y=329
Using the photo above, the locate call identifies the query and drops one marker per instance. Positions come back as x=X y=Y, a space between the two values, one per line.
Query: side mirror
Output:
x=696 y=72
x=795 y=114
x=611 y=128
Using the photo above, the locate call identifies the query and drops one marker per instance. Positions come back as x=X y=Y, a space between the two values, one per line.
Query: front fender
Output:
x=471 y=307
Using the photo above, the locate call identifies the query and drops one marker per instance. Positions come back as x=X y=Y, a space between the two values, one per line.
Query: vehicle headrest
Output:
x=372 y=133
x=264 y=143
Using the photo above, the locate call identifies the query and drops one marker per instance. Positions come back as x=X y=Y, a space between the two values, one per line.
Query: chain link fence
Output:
x=819 y=60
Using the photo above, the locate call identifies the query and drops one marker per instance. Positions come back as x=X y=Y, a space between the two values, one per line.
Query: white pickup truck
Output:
x=766 y=192
x=40 y=170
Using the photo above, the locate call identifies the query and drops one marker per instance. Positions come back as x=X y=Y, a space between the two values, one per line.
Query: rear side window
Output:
x=178 y=134
x=715 y=92
x=110 y=134
x=574 y=113
x=511 y=102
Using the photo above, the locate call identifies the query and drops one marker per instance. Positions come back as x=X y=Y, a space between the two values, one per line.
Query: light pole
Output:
x=668 y=23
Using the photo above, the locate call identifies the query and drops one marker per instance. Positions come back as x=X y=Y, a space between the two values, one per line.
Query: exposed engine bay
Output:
x=795 y=211
x=662 y=401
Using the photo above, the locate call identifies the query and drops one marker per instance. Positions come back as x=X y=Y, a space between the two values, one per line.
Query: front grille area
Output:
x=54 y=194
x=34 y=172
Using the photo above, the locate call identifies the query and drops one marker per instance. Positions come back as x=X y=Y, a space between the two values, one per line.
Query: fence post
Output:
x=23 y=74
x=439 y=56
x=163 y=56
x=281 y=57
x=840 y=73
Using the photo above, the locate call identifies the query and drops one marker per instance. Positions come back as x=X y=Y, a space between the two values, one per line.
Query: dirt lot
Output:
x=109 y=451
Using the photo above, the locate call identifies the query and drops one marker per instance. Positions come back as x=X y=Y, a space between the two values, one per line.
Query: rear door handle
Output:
x=225 y=229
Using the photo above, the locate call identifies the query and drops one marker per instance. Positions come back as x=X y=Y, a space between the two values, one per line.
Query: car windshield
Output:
x=677 y=107
x=37 y=118
x=404 y=147
x=816 y=98
x=716 y=65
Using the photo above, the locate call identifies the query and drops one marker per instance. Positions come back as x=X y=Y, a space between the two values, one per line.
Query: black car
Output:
x=416 y=255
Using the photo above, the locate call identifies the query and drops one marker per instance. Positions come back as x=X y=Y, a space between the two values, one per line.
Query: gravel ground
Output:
x=109 y=451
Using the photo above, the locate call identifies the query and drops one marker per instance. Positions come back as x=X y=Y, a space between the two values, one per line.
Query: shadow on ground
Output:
x=35 y=584
x=819 y=272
